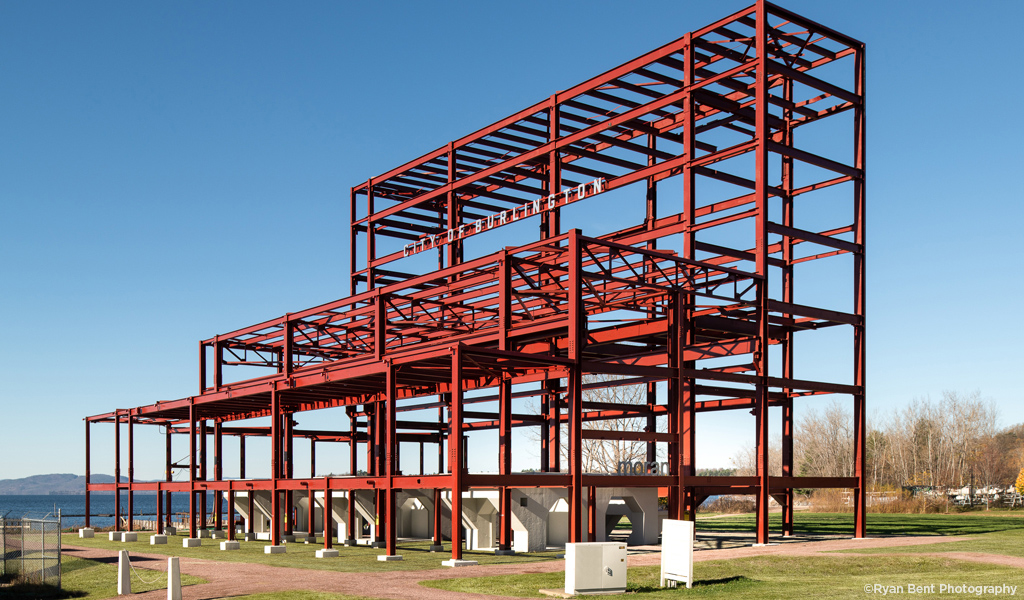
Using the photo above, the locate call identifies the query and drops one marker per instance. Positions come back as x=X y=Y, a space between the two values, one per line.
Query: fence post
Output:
x=124 y=579
x=173 y=578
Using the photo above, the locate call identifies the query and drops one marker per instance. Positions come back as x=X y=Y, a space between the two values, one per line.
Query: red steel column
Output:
x=788 y=297
x=591 y=514
x=218 y=474
x=202 y=473
x=505 y=464
x=117 y=470
x=192 y=533
x=505 y=409
x=456 y=459
x=390 y=466
x=371 y=241
x=554 y=421
x=131 y=471
x=328 y=515
x=167 y=477
x=576 y=336
x=275 y=467
x=860 y=305
x=288 y=442
x=438 y=538
x=88 y=473
x=688 y=385
x=761 y=231
x=350 y=495
x=159 y=510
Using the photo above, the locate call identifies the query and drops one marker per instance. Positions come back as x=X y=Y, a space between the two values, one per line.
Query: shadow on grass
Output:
x=646 y=589
x=38 y=590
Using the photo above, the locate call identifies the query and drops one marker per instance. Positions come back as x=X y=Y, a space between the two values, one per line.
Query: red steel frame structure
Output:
x=699 y=295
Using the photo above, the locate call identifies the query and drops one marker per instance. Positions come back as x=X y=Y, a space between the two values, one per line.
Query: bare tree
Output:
x=824 y=442
x=604 y=456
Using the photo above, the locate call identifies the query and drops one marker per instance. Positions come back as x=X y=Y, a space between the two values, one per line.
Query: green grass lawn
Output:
x=1006 y=543
x=415 y=555
x=878 y=524
x=81 y=578
x=833 y=576
x=769 y=577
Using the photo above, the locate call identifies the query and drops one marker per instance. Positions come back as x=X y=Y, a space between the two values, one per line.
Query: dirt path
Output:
x=236 y=579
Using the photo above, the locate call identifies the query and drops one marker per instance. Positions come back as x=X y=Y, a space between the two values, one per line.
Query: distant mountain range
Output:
x=55 y=483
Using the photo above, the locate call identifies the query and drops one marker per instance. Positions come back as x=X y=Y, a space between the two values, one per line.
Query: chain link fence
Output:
x=31 y=550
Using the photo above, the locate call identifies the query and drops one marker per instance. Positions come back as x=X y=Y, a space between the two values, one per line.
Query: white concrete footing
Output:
x=325 y=553
x=129 y=536
x=274 y=549
x=436 y=548
x=157 y=539
x=170 y=530
x=389 y=557
x=230 y=546
x=287 y=539
x=458 y=563
x=191 y=543
x=114 y=536
x=204 y=533
x=86 y=532
x=250 y=536
x=219 y=534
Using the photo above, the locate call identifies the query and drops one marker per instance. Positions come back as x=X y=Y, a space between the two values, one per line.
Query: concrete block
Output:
x=504 y=552
x=204 y=533
x=191 y=543
x=114 y=536
x=389 y=557
x=129 y=536
x=436 y=548
x=324 y=553
x=458 y=563
x=157 y=539
x=230 y=546
x=274 y=549
x=86 y=532
x=350 y=543
x=170 y=530
x=287 y=539
x=380 y=544
x=219 y=534
x=250 y=536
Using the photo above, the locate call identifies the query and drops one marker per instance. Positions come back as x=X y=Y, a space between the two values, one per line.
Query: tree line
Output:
x=952 y=443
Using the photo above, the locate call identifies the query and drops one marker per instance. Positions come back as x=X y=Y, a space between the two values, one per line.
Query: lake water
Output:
x=73 y=507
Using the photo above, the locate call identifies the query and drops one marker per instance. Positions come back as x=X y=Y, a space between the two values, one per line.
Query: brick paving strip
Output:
x=238 y=579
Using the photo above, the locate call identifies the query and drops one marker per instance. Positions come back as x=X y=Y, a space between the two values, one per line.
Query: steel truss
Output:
x=722 y=105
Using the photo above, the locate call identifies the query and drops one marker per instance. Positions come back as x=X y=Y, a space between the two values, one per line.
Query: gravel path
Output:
x=236 y=579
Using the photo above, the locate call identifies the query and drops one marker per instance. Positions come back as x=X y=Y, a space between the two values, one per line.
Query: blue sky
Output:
x=170 y=171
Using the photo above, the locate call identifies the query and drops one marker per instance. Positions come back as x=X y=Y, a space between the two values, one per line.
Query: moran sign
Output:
x=511 y=215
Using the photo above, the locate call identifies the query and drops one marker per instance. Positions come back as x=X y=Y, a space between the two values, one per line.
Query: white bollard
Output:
x=173 y=579
x=124 y=577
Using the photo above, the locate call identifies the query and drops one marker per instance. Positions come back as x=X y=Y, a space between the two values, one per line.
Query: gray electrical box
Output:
x=595 y=567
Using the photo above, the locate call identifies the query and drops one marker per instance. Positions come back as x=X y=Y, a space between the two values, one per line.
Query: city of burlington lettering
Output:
x=534 y=207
